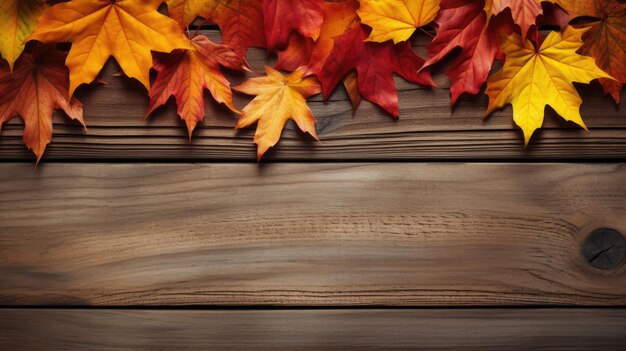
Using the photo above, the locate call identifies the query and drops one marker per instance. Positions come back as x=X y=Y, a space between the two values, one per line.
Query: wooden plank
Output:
x=308 y=234
x=473 y=329
x=427 y=129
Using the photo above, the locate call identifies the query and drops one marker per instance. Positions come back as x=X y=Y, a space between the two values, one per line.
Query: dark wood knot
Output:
x=604 y=248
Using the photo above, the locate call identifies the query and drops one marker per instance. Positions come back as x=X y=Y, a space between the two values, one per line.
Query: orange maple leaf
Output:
x=278 y=99
x=240 y=21
x=98 y=29
x=185 y=74
x=606 y=39
x=524 y=12
x=37 y=86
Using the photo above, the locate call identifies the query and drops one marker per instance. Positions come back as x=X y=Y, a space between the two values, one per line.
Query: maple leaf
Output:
x=279 y=98
x=339 y=17
x=98 y=29
x=396 y=19
x=375 y=64
x=578 y=8
x=17 y=21
x=297 y=53
x=524 y=12
x=282 y=17
x=240 y=21
x=533 y=78
x=185 y=74
x=37 y=86
x=463 y=24
x=605 y=40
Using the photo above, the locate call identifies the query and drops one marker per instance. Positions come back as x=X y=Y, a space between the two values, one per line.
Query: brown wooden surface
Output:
x=307 y=234
x=450 y=329
x=427 y=128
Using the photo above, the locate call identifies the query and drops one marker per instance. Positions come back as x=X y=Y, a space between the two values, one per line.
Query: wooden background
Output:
x=129 y=236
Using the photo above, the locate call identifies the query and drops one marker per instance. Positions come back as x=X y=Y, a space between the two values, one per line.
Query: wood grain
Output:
x=474 y=329
x=426 y=130
x=307 y=234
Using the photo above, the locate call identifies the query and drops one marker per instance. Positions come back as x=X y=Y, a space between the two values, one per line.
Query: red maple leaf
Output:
x=375 y=64
x=463 y=24
x=282 y=17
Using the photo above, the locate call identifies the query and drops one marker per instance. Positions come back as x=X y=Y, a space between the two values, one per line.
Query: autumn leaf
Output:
x=186 y=11
x=98 y=29
x=533 y=78
x=279 y=98
x=185 y=74
x=578 y=8
x=17 y=21
x=606 y=40
x=339 y=17
x=240 y=21
x=297 y=53
x=464 y=24
x=36 y=88
x=375 y=64
x=283 y=17
x=396 y=19
x=352 y=88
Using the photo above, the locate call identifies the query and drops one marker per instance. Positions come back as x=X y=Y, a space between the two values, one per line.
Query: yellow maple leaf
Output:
x=17 y=21
x=396 y=19
x=98 y=29
x=533 y=78
x=279 y=98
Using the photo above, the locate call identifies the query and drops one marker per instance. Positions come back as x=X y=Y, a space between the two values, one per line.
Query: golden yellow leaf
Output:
x=531 y=79
x=128 y=30
x=396 y=19
x=17 y=21
x=279 y=98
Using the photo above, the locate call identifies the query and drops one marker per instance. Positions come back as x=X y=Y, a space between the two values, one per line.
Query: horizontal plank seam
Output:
x=303 y=307
x=528 y=160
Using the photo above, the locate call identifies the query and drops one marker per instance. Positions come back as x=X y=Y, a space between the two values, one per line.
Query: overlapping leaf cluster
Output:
x=320 y=44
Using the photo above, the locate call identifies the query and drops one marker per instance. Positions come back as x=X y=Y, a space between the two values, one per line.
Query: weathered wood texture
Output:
x=307 y=234
x=427 y=129
x=474 y=329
